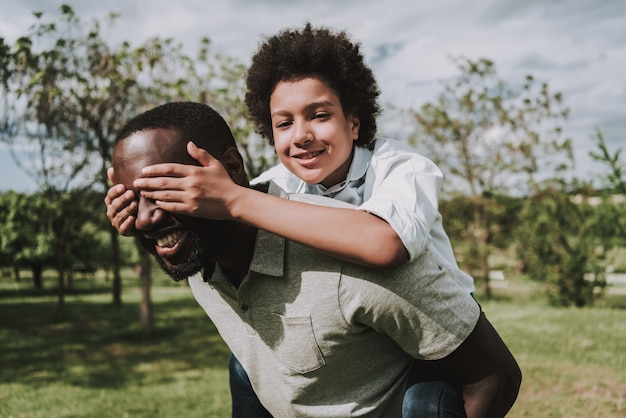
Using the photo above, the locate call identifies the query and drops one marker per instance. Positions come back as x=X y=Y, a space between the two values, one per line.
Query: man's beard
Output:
x=198 y=258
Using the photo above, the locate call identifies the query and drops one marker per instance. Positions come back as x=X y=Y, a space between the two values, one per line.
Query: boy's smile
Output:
x=308 y=158
x=312 y=135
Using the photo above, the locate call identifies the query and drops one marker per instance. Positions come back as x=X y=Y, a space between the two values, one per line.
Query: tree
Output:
x=72 y=91
x=615 y=180
x=557 y=246
x=491 y=139
x=610 y=226
x=68 y=215
x=24 y=240
x=457 y=213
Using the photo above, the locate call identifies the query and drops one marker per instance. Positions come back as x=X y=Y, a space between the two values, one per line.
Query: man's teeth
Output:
x=169 y=240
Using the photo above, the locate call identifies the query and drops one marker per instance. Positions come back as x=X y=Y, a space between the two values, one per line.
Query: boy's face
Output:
x=312 y=135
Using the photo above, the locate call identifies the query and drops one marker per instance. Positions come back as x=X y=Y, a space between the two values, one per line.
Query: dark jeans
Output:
x=245 y=402
x=433 y=398
x=423 y=399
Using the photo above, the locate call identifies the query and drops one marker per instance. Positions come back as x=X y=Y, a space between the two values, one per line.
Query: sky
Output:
x=578 y=47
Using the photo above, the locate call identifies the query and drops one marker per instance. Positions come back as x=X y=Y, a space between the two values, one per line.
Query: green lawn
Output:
x=97 y=364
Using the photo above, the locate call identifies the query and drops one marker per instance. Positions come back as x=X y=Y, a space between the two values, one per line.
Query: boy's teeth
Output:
x=311 y=155
x=169 y=240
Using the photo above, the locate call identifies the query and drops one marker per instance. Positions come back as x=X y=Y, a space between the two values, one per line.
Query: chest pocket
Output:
x=298 y=350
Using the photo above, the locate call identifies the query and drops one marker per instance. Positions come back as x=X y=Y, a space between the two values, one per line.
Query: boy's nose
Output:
x=303 y=135
x=149 y=215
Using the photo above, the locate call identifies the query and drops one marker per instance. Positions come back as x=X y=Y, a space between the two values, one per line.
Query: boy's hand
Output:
x=121 y=206
x=200 y=191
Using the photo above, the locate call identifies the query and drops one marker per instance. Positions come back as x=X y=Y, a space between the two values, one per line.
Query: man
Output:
x=317 y=336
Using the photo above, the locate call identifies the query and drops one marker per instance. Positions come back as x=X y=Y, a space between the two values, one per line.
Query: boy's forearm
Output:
x=492 y=376
x=349 y=234
x=492 y=396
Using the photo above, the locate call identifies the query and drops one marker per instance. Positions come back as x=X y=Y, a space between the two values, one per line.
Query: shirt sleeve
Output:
x=419 y=306
x=402 y=187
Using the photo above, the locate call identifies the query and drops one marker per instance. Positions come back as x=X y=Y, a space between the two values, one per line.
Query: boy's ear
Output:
x=233 y=162
x=356 y=124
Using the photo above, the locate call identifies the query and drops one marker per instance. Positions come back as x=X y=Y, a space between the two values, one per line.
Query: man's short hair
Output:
x=195 y=122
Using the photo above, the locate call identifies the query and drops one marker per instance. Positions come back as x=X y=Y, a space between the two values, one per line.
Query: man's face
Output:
x=182 y=245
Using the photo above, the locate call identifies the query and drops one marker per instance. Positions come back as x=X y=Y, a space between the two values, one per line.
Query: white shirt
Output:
x=396 y=184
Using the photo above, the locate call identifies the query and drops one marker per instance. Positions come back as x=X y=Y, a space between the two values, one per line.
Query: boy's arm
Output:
x=207 y=191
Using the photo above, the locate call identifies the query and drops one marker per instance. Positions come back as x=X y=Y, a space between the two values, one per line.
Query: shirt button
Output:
x=244 y=307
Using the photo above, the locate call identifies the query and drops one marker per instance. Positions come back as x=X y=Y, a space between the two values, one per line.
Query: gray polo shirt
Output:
x=320 y=337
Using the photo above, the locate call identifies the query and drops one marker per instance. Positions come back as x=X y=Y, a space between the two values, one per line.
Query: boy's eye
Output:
x=283 y=124
x=321 y=115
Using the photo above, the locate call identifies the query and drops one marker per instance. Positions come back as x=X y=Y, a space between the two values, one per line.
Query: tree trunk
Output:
x=480 y=238
x=117 y=278
x=484 y=260
x=37 y=270
x=146 y=321
x=70 y=279
x=60 y=313
x=16 y=273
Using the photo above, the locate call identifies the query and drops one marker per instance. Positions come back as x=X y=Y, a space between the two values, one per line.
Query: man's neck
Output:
x=236 y=259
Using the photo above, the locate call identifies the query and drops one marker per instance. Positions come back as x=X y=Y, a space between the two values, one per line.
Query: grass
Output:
x=573 y=360
x=97 y=363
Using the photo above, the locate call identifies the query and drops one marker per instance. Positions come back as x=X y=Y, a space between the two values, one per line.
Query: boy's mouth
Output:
x=309 y=155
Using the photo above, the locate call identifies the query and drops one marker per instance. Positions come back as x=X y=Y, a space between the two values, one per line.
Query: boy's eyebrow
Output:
x=308 y=108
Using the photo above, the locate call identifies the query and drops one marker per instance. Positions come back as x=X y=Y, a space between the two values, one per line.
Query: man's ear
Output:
x=111 y=175
x=233 y=162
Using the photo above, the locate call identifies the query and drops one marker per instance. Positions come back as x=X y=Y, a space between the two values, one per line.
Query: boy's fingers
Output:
x=199 y=154
x=146 y=184
x=166 y=170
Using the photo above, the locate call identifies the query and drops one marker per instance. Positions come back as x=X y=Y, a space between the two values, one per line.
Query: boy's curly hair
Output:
x=317 y=52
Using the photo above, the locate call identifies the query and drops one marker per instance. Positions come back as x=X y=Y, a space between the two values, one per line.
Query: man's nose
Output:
x=149 y=215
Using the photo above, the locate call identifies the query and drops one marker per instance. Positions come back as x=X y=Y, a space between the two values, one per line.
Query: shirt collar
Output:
x=269 y=249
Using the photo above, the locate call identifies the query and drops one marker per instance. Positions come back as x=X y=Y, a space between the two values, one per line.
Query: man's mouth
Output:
x=170 y=239
x=172 y=245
